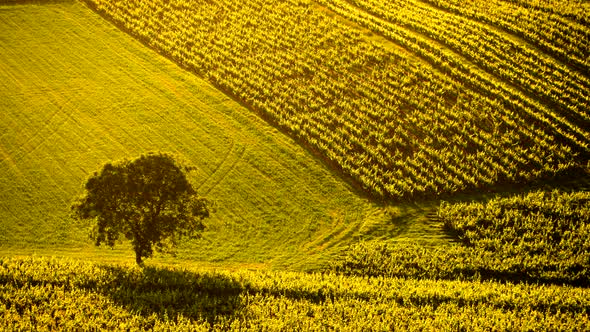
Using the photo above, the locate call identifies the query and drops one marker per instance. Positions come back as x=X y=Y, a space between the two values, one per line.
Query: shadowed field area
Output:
x=65 y=294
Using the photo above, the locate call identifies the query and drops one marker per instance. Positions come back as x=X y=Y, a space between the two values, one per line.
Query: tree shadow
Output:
x=209 y=297
x=168 y=293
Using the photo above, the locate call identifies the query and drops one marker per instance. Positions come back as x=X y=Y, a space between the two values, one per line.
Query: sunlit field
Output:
x=411 y=99
x=373 y=165
x=77 y=92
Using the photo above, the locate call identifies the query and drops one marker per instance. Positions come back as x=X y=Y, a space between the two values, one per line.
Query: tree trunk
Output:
x=138 y=259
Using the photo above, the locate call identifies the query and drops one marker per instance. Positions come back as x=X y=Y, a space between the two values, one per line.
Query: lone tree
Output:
x=148 y=199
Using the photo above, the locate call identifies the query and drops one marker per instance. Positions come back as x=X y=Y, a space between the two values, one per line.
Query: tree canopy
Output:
x=148 y=199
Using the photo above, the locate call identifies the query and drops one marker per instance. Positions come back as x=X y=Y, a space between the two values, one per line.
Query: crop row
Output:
x=541 y=237
x=396 y=126
x=531 y=71
x=547 y=29
x=574 y=10
x=451 y=64
x=546 y=233
x=41 y=293
x=400 y=28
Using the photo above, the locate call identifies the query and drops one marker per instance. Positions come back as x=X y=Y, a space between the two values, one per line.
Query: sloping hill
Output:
x=410 y=98
x=75 y=92
x=463 y=100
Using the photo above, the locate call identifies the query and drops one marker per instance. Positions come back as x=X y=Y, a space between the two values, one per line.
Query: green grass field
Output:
x=75 y=92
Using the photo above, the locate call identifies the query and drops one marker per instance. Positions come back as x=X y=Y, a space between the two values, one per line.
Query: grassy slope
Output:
x=76 y=92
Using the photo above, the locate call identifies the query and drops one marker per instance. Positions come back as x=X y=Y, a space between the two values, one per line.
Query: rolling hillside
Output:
x=410 y=98
x=75 y=92
x=398 y=107
x=426 y=162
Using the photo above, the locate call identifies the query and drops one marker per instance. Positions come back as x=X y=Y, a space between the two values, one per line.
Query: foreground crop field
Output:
x=75 y=92
x=410 y=98
x=39 y=294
